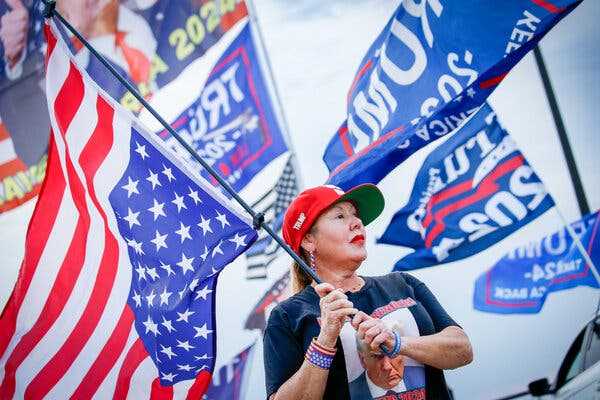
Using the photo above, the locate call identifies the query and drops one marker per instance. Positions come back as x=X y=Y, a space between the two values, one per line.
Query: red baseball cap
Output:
x=310 y=204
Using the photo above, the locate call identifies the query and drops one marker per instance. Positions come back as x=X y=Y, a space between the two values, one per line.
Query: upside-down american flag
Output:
x=115 y=296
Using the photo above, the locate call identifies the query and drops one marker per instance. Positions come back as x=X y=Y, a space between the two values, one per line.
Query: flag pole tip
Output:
x=258 y=220
x=49 y=7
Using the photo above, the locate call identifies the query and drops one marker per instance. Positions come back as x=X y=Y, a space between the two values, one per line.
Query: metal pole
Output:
x=258 y=218
x=584 y=207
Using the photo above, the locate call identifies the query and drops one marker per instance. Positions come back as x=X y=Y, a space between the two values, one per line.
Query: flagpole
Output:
x=584 y=207
x=258 y=219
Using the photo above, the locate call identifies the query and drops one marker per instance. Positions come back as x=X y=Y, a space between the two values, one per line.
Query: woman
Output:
x=309 y=350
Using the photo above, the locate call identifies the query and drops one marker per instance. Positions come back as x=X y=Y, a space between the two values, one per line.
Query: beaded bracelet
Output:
x=319 y=356
x=396 y=350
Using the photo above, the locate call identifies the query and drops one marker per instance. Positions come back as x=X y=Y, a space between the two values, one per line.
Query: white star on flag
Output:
x=185 y=345
x=137 y=246
x=153 y=179
x=185 y=315
x=150 y=298
x=151 y=326
x=132 y=218
x=137 y=298
x=205 y=225
x=223 y=219
x=167 y=268
x=217 y=250
x=202 y=331
x=159 y=240
x=164 y=296
x=168 y=173
x=186 y=264
x=152 y=273
x=167 y=351
x=203 y=293
x=167 y=324
x=238 y=240
x=131 y=187
x=157 y=209
x=141 y=150
x=183 y=232
x=179 y=202
x=169 y=377
x=194 y=195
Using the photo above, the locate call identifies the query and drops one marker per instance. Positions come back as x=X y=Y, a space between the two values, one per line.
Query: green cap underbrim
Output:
x=368 y=200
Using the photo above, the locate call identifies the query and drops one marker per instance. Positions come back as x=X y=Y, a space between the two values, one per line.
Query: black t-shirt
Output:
x=401 y=300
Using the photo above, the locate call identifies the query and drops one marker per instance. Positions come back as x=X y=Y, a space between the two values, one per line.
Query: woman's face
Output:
x=338 y=236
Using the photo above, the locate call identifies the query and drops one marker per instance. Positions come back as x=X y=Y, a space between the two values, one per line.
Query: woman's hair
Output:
x=301 y=279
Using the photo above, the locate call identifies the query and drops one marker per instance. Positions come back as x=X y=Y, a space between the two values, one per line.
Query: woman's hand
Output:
x=335 y=308
x=373 y=331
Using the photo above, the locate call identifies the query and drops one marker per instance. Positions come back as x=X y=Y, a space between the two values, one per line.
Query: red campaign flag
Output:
x=115 y=296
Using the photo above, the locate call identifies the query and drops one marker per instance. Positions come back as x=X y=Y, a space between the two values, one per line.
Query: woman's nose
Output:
x=356 y=223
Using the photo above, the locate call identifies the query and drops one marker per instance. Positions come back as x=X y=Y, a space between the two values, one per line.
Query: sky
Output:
x=314 y=48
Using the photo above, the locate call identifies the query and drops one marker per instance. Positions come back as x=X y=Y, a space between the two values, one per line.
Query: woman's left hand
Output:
x=373 y=331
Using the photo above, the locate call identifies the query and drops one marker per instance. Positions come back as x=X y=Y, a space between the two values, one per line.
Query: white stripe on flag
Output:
x=7 y=150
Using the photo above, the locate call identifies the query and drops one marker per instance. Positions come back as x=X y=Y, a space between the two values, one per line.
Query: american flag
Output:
x=115 y=296
x=273 y=204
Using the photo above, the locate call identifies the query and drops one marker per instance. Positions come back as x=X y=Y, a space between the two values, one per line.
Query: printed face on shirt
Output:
x=383 y=371
x=338 y=236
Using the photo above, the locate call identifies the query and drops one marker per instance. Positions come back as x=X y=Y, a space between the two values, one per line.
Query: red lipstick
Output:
x=358 y=239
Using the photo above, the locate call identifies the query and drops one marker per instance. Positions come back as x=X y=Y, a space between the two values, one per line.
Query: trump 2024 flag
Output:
x=473 y=190
x=433 y=64
x=521 y=280
x=116 y=294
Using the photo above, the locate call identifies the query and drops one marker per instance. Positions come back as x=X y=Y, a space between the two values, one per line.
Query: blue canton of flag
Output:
x=472 y=191
x=521 y=280
x=432 y=65
x=179 y=238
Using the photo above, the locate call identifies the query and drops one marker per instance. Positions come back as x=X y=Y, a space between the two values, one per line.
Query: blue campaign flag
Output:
x=432 y=65
x=232 y=124
x=521 y=280
x=229 y=383
x=472 y=191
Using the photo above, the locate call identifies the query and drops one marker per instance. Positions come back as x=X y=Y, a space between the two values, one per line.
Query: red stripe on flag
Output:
x=488 y=83
x=107 y=358
x=487 y=187
x=343 y=133
x=90 y=159
x=40 y=226
x=200 y=385
x=545 y=4
x=136 y=354
x=160 y=392
x=68 y=99
x=358 y=76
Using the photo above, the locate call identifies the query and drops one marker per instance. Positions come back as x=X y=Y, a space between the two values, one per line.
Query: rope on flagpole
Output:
x=258 y=219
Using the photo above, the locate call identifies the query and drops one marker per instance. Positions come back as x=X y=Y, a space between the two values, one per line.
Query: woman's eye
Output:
x=340 y=216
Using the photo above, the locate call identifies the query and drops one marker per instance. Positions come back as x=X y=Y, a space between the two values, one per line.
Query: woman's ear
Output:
x=308 y=243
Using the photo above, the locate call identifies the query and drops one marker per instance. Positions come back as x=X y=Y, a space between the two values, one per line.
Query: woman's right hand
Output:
x=335 y=308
